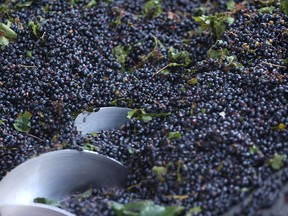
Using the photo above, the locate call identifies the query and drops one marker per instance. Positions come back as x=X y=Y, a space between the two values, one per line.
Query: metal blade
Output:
x=32 y=210
x=61 y=173
x=106 y=118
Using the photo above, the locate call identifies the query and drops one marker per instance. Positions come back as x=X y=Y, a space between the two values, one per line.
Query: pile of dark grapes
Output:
x=224 y=128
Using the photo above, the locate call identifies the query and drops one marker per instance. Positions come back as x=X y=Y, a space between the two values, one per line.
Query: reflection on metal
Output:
x=32 y=210
x=106 y=118
x=57 y=174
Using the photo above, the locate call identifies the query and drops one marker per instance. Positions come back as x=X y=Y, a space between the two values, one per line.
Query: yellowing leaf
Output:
x=193 y=81
x=160 y=171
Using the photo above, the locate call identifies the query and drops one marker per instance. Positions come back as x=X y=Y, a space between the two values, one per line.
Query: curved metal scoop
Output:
x=32 y=210
x=61 y=173
x=104 y=119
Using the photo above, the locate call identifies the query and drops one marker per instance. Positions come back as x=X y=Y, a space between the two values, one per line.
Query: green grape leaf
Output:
x=277 y=162
x=22 y=123
x=92 y=3
x=140 y=114
x=284 y=6
x=193 y=81
x=174 y=135
x=121 y=52
x=181 y=58
x=159 y=171
x=7 y=35
x=266 y=10
x=145 y=208
x=194 y=211
x=35 y=28
x=45 y=201
x=23 y=5
x=230 y=4
x=152 y=8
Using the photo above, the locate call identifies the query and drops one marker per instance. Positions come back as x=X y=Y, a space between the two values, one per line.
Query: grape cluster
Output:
x=226 y=116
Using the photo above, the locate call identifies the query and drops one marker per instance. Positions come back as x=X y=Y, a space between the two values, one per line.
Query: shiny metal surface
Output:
x=104 y=119
x=57 y=174
x=32 y=210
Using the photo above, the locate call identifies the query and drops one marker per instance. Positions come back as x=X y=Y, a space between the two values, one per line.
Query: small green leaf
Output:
x=88 y=146
x=140 y=114
x=7 y=32
x=7 y=35
x=266 y=10
x=254 y=149
x=45 y=201
x=155 y=55
x=267 y=2
x=203 y=111
x=3 y=42
x=146 y=117
x=23 y=5
x=73 y=2
x=284 y=6
x=4 y=8
x=121 y=53
x=230 y=4
x=29 y=54
x=160 y=171
x=145 y=208
x=35 y=28
x=22 y=123
x=46 y=9
x=117 y=22
x=179 y=57
x=277 y=162
x=193 y=81
x=117 y=208
x=174 y=135
x=232 y=62
x=131 y=150
x=229 y=20
x=220 y=167
x=217 y=54
x=85 y=194
x=194 y=211
x=153 y=8
x=244 y=190
x=152 y=210
x=216 y=23
x=93 y=134
x=165 y=72
x=1 y=122
x=92 y=3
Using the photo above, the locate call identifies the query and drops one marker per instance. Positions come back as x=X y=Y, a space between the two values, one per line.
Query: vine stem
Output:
x=157 y=72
